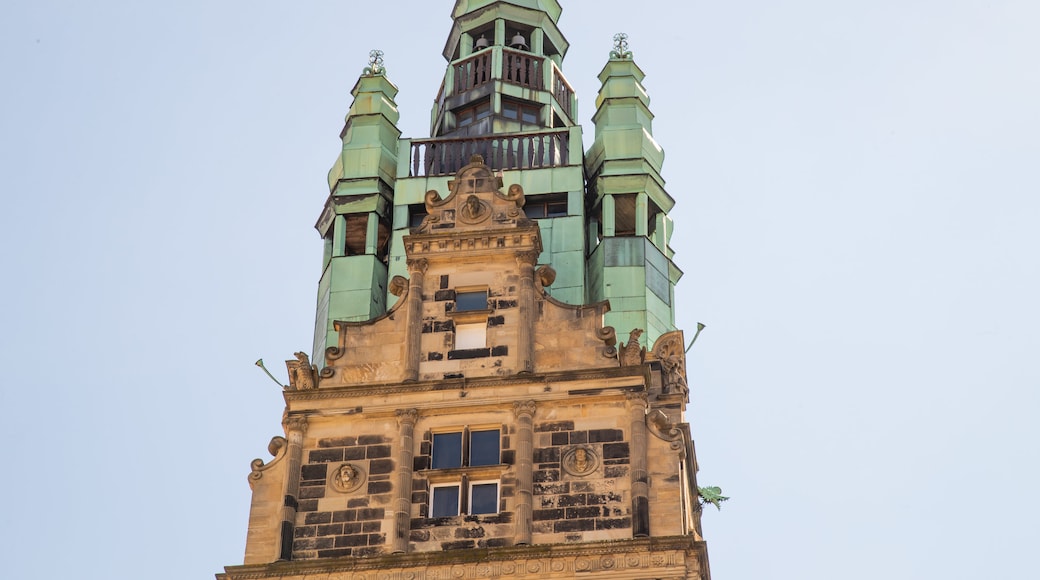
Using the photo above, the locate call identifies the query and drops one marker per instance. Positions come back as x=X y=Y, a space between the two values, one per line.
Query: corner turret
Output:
x=356 y=220
x=632 y=264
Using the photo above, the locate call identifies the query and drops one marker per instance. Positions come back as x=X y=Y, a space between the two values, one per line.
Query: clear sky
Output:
x=858 y=218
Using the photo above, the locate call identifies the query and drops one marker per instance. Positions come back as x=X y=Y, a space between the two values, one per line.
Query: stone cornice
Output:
x=678 y=555
x=353 y=392
x=449 y=244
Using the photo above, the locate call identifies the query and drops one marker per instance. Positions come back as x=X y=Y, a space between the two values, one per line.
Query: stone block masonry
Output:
x=332 y=524
x=595 y=505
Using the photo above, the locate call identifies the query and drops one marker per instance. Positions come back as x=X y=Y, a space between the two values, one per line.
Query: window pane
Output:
x=471 y=301
x=445 y=502
x=483 y=448
x=556 y=209
x=447 y=450
x=484 y=499
x=530 y=115
x=509 y=111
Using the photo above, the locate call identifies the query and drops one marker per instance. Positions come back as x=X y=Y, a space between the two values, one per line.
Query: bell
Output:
x=481 y=43
x=519 y=42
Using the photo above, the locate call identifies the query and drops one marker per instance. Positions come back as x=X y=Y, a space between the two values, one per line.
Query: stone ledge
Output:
x=678 y=556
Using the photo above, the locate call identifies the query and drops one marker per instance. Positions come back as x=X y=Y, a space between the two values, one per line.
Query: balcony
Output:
x=515 y=67
x=516 y=151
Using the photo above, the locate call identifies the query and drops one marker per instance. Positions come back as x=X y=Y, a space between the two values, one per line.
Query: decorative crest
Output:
x=375 y=63
x=621 y=51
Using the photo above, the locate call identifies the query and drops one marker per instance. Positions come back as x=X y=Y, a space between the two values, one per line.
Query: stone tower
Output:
x=472 y=412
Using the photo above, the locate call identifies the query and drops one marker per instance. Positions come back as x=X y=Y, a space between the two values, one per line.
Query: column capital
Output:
x=526 y=258
x=407 y=416
x=524 y=408
x=636 y=399
x=418 y=265
x=298 y=424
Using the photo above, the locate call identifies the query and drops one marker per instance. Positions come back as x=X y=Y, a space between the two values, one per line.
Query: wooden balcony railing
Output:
x=523 y=68
x=518 y=67
x=472 y=72
x=432 y=157
x=562 y=91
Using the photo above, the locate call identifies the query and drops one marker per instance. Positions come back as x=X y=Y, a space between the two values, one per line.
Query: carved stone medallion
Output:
x=346 y=478
x=580 y=461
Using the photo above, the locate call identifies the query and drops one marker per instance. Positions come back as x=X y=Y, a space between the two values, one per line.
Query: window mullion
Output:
x=465 y=446
x=464 y=495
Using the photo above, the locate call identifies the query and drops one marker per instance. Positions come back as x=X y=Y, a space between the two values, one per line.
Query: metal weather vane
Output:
x=621 y=51
x=375 y=63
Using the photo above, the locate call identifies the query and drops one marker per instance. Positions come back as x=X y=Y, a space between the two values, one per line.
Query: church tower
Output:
x=472 y=411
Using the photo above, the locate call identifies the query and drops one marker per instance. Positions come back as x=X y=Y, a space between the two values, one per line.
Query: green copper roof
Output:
x=550 y=7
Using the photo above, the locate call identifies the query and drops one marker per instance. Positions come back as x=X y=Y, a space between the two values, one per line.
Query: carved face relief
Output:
x=346 y=478
x=580 y=461
x=474 y=211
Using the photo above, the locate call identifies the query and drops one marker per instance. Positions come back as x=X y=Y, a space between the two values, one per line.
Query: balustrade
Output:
x=517 y=151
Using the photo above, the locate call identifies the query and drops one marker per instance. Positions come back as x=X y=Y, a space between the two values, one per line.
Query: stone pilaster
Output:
x=296 y=428
x=640 y=477
x=525 y=328
x=524 y=411
x=403 y=488
x=413 y=351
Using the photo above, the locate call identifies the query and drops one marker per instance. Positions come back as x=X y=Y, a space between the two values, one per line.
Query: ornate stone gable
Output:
x=475 y=202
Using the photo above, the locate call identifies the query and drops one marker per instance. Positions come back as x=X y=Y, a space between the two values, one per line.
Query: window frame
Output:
x=457 y=485
x=498 y=496
x=466 y=477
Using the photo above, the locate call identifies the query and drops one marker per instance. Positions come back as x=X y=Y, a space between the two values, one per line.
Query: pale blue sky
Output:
x=858 y=189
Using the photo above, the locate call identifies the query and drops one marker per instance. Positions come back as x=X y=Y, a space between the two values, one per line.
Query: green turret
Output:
x=356 y=220
x=632 y=264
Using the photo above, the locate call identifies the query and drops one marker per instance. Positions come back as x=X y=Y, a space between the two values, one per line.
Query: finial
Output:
x=621 y=51
x=375 y=63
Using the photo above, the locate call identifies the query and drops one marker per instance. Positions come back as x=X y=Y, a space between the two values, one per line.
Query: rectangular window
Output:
x=471 y=300
x=546 y=206
x=447 y=450
x=484 y=448
x=477 y=448
x=483 y=498
x=472 y=114
x=527 y=114
x=444 y=501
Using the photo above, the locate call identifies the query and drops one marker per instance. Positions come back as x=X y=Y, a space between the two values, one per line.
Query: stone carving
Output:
x=257 y=466
x=669 y=350
x=632 y=354
x=524 y=408
x=580 y=461
x=609 y=337
x=398 y=286
x=474 y=211
x=407 y=416
x=526 y=258
x=303 y=376
x=474 y=201
x=546 y=276
x=516 y=195
x=346 y=478
x=658 y=424
x=295 y=424
x=418 y=265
